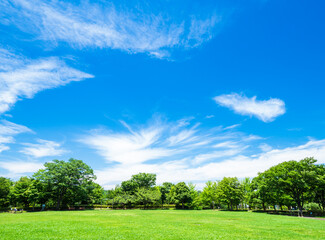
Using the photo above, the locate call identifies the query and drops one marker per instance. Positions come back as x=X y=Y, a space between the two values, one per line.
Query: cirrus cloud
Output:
x=23 y=78
x=133 y=29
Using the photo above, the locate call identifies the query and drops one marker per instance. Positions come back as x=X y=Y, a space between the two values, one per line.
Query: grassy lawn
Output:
x=157 y=224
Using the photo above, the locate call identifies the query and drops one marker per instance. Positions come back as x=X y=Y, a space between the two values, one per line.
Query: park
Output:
x=62 y=201
x=159 y=119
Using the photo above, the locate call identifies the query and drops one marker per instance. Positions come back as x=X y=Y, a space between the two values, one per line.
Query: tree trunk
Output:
x=59 y=202
x=300 y=210
x=182 y=205
x=263 y=205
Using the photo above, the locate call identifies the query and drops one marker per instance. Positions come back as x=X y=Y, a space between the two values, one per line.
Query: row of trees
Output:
x=61 y=184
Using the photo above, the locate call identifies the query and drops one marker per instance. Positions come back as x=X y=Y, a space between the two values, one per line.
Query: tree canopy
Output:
x=68 y=181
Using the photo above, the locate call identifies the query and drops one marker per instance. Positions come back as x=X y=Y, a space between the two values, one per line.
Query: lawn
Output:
x=157 y=224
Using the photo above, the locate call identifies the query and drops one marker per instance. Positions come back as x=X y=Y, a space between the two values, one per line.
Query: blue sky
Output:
x=191 y=91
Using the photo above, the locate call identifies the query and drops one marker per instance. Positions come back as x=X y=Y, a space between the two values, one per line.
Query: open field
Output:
x=157 y=224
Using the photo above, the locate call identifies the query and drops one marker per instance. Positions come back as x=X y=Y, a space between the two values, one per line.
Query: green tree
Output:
x=144 y=180
x=297 y=179
x=230 y=191
x=5 y=185
x=319 y=187
x=165 y=189
x=65 y=178
x=195 y=202
x=24 y=192
x=124 y=199
x=129 y=186
x=95 y=193
x=262 y=187
x=209 y=195
x=181 y=194
x=140 y=180
x=148 y=196
x=246 y=185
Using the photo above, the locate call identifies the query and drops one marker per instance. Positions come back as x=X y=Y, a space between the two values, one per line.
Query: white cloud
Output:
x=23 y=78
x=265 y=110
x=202 y=158
x=43 y=148
x=10 y=128
x=202 y=155
x=265 y=147
x=168 y=149
x=136 y=30
x=19 y=167
x=131 y=147
x=7 y=131
x=157 y=140
x=236 y=166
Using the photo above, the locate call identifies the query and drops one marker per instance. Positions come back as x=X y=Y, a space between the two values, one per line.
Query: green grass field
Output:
x=157 y=224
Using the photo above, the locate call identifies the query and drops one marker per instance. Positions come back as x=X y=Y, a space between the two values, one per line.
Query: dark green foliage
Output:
x=319 y=189
x=164 y=190
x=24 y=192
x=129 y=186
x=5 y=185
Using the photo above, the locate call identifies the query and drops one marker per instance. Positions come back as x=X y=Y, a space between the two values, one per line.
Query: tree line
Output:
x=61 y=185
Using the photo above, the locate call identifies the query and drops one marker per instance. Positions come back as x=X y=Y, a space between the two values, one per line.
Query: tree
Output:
x=124 y=199
x=165 y=189
x=129 y=186
x=230 y=191
x=297 y=179
x=144 y=180
x=24 y=192
x=209 y=194
x=319 y=188
x=5 y=185
x=94 y=193
x=195 y=202
x=181 y=194
x=65 y=178
x=140 y=180
x=262 y=188
x=147 y=196
x=246 y=185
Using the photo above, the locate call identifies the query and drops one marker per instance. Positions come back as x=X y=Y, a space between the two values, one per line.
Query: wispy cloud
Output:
x=44 y=148
x=234 y=166
x=23 y=78
x=7 y=131
x=265 y=110
x=157 y=140
x=162 y=145
x=135 y=30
